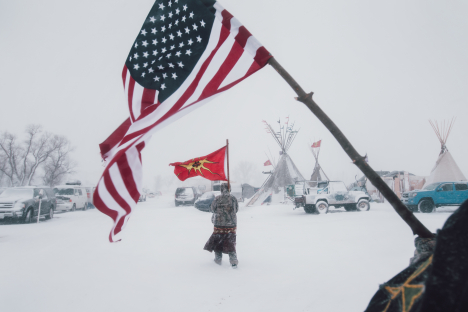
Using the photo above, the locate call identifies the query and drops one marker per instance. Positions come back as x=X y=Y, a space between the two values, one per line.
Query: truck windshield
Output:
x=17 y=193
x=207 y=195
x=185 y=191
x=431 y=187
x=338 y=187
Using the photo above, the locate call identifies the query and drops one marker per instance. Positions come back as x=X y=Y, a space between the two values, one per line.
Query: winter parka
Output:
x=224 y=209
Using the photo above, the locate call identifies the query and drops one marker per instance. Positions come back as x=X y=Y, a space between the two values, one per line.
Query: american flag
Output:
x=186 y=52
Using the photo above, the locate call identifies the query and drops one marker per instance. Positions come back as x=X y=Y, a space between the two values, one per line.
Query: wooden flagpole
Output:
x=416 y=226
x=227 y=151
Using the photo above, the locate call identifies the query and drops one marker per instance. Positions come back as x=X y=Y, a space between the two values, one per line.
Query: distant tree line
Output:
x=41 y=154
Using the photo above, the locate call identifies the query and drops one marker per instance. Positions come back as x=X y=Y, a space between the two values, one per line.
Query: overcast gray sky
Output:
x=380 y=70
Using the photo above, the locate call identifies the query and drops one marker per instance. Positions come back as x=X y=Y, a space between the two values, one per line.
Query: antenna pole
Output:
x=227 y=151
x=416 y=226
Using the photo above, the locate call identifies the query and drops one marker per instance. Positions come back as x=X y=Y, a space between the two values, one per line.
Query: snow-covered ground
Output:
x=288 y=260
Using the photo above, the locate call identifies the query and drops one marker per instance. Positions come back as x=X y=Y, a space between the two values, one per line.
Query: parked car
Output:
x=203 y=203
x=22 y=203
x=142 y=198
x=333 y=193
x=186 y=195
x=436 y=195
x=71 y=197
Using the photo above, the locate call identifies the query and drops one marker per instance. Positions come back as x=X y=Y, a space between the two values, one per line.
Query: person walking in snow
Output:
x=223 y=239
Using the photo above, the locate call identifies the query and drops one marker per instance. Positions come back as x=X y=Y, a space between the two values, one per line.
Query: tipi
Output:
x=285 y=172
x=445 y=169
x=316 y=176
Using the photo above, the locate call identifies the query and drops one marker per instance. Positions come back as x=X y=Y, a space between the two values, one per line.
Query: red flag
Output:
x=210 y=167
x=316 y=144
x=267 y=163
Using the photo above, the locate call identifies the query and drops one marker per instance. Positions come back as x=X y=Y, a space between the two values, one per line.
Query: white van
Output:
x=71 y=197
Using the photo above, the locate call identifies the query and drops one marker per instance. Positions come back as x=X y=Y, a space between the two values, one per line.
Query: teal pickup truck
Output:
x=436 y=195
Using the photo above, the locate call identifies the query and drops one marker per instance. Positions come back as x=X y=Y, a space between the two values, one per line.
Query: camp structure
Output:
x=285 y=172
x=445 y=169
x=316 y=175
x=398 y=181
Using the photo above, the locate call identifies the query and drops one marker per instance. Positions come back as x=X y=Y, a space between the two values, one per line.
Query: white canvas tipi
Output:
x=445 y=169
x=285 y=172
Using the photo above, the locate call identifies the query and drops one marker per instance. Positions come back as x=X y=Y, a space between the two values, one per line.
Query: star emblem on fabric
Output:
x=198 y=165
x=408 y=292
x=163 y=39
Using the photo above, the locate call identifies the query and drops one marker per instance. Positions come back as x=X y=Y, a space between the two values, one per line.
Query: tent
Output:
x=316 y=176
x=445 y=169
x=285 y=172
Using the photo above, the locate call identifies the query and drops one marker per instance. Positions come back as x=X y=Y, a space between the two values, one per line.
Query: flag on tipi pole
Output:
x=316 y=144
x=186 y=52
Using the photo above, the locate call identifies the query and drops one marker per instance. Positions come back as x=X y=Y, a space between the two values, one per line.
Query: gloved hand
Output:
x=424 y=248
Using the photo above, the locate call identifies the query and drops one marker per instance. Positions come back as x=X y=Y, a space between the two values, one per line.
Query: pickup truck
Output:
x=436 y=195
x=333 y=193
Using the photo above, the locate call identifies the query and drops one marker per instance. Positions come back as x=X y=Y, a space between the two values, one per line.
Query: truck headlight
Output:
x=413 y=194
x=18 y=206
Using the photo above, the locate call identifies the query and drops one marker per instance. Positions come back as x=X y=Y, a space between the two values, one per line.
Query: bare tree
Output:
x=244 y=172
x=10 y=154
x=59 y=164
x=20 y=161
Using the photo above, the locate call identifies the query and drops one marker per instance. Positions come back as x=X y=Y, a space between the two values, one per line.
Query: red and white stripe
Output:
x=232 y=54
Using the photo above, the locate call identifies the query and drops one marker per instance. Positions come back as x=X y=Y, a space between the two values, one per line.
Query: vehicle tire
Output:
x=413 y=208
x=51 y=214
x=321 y=207
x=73 y=208
x=309 y=208
x=350 y=207
x=363 y=205
x=426 y=206
x=176 y=203
x=28 y=216
x=85 y=207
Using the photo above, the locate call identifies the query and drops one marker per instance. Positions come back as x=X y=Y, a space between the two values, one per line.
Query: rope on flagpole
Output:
x=416 y=226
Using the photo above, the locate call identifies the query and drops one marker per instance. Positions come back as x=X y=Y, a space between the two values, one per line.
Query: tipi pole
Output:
x=227 y=151
x=416 y=226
